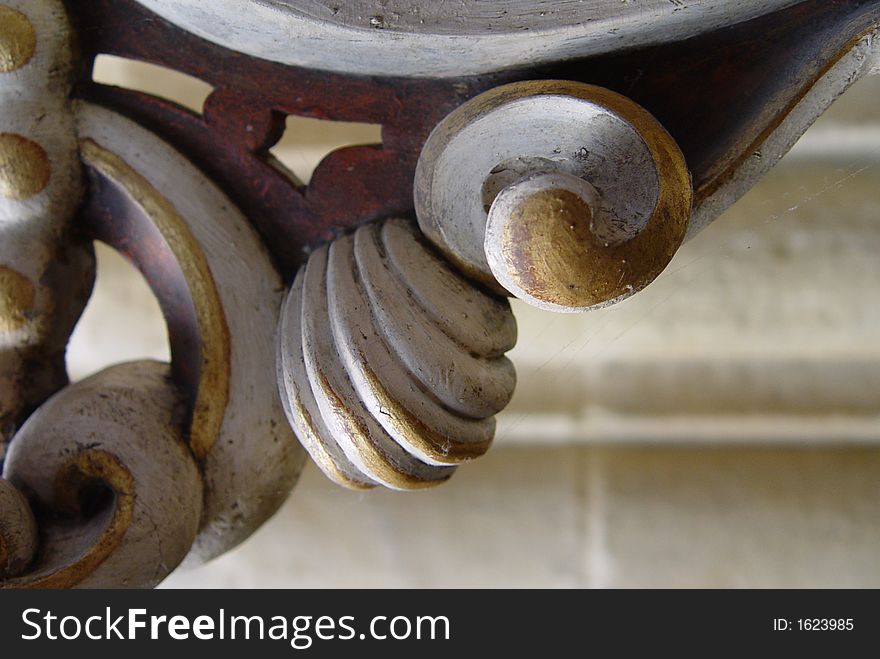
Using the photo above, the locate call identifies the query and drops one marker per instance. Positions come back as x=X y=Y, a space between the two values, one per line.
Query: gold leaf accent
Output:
x=18 y=42
x=212 y=396
x=16 y=299
x=24 y=167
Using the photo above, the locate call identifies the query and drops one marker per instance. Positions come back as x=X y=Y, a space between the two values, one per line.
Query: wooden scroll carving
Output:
x=175 y=461
x=381 y=383
x=557 y=152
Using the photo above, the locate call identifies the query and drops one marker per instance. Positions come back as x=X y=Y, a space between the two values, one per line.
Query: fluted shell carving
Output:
x=391 y=364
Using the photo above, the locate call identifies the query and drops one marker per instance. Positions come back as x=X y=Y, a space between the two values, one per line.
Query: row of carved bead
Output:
x=117 y=442
x=45 y=278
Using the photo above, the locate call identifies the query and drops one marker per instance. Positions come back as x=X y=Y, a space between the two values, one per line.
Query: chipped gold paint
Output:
x=16 y=299
x=24 y=167
x=375 y=459
x=667 y=227
x=212 y=396
x=548 y=239
x=439 y=447
x=88 y=465
x=18 y=42
x=603 y=274
x=310 y=432
x=320 y=454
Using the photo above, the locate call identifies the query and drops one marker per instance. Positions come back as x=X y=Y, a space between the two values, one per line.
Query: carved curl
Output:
x=119 y=490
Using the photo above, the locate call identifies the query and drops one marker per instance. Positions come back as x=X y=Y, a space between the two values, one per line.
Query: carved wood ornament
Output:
x=552 y=151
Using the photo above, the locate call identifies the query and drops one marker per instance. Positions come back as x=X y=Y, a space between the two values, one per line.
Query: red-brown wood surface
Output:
x=244 y=117
x=711 y=92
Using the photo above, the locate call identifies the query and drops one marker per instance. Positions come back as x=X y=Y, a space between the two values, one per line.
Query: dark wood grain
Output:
x=244 y=117
x=112 y=216
x=717 y=94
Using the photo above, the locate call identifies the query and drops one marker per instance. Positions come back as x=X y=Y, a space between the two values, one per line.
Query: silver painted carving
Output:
x=613 y=189
x=375 y=385
x=436 y=39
